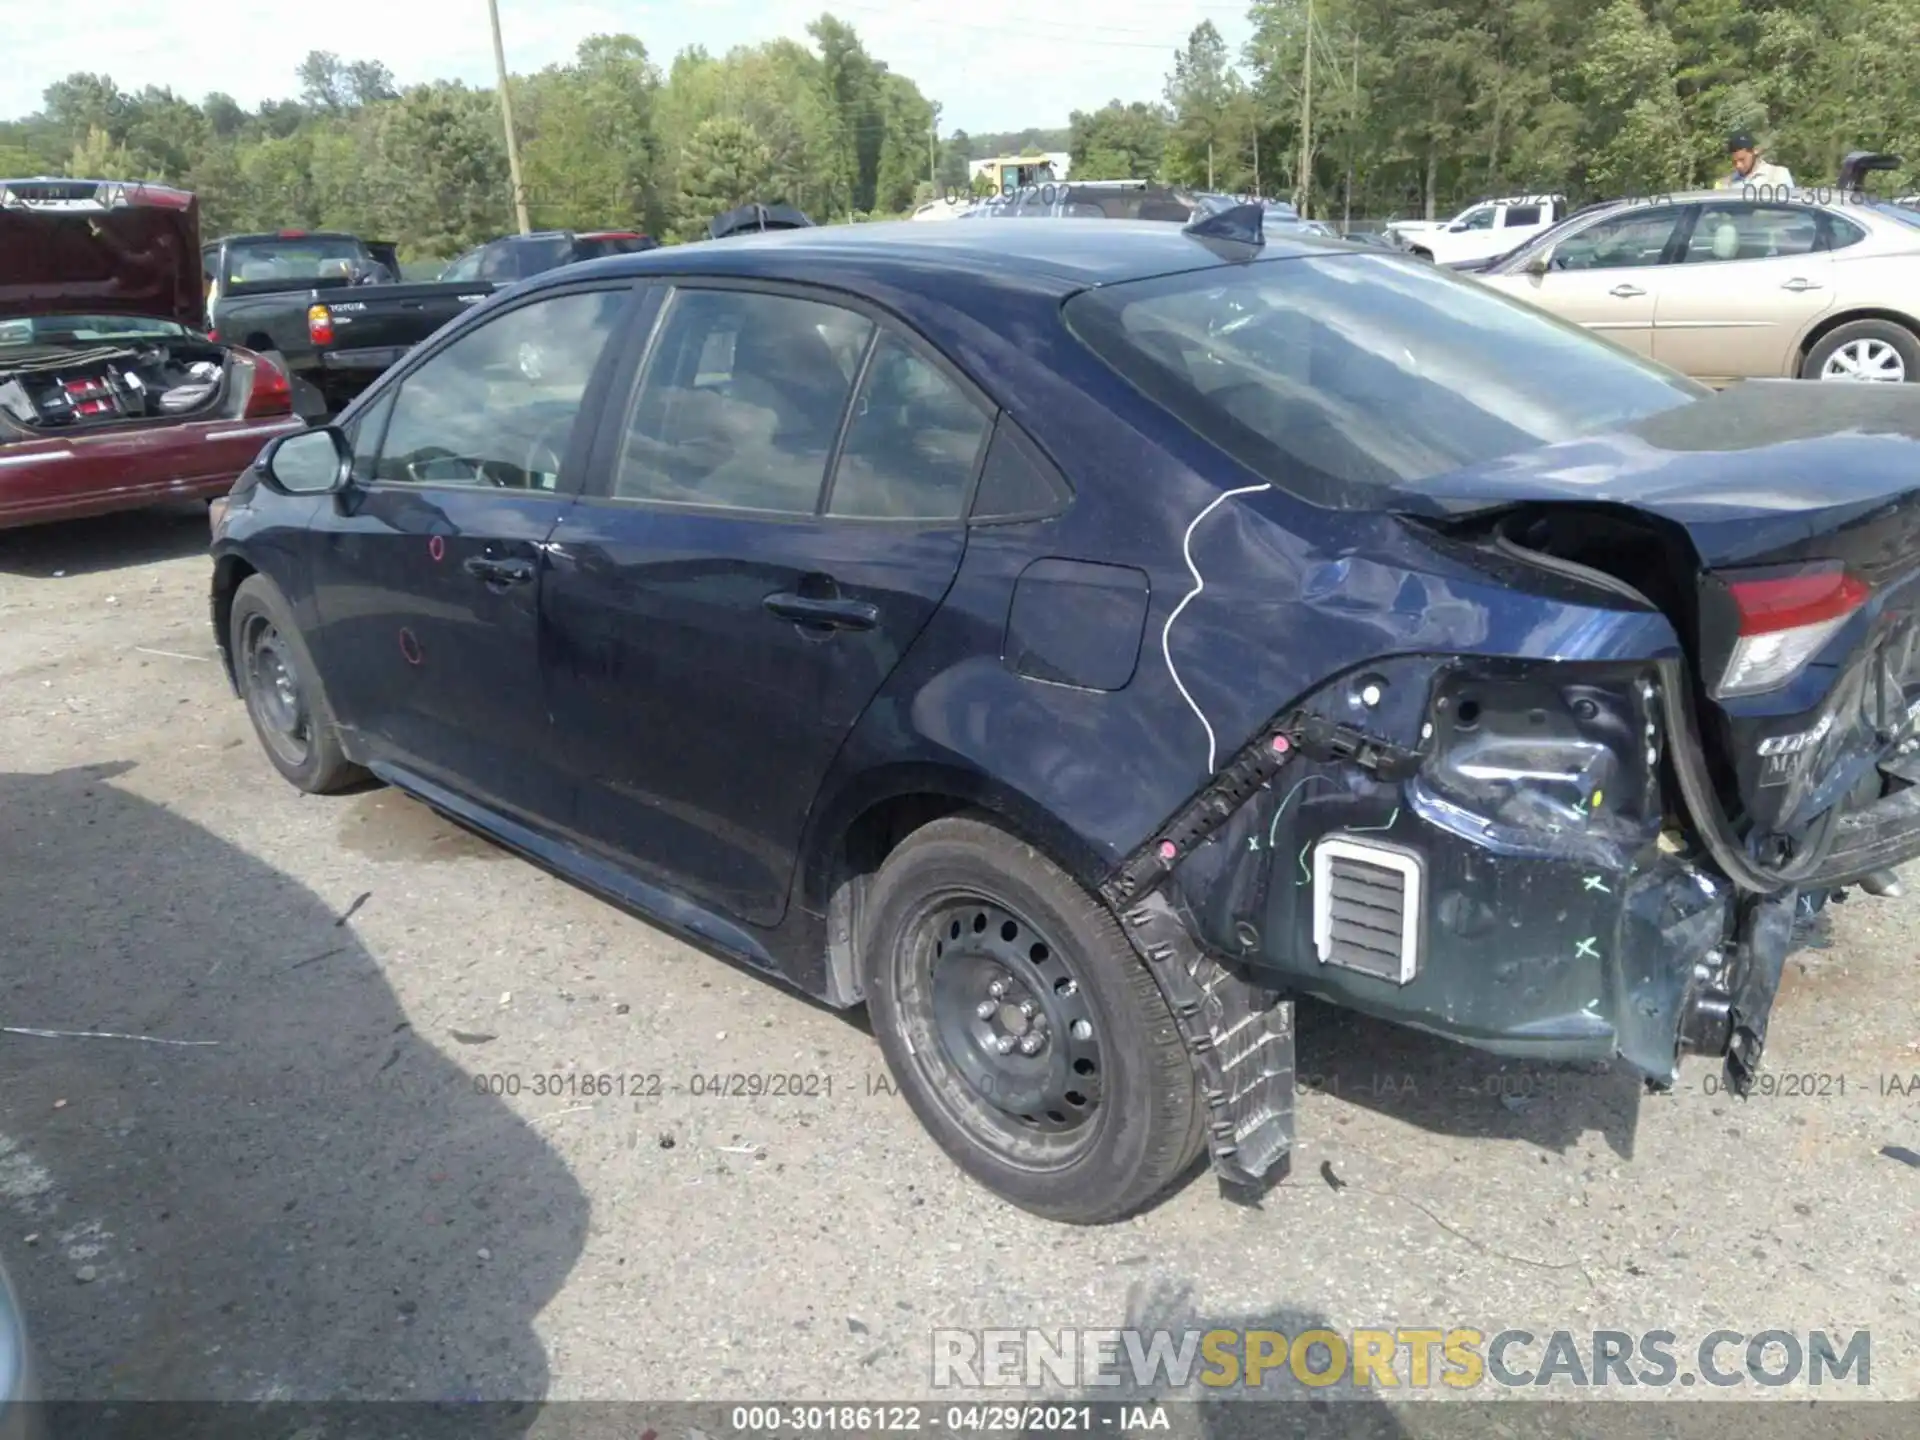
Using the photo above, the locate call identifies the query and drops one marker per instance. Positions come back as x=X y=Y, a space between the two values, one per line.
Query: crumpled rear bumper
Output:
x=1494 y=852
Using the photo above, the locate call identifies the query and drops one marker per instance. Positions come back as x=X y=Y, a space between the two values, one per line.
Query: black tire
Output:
x=284 y=696
x=1868 y=341
x=961 y=902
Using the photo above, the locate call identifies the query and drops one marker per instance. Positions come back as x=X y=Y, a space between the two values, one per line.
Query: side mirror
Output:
x=1456 y=229
x=308 y=462
x=1541 y=263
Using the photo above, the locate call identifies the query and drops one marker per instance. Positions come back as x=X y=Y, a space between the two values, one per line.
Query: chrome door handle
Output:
x=1797 y=284
x=1626 y=292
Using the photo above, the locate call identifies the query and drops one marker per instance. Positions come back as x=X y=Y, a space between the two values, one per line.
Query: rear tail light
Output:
x=270 y=393
x=320 y=325
x=1785 y=620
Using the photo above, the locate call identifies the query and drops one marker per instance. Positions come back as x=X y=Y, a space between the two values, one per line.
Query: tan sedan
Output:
x=1819 y=284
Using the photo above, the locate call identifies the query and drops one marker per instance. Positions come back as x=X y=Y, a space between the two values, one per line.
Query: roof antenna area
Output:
x=1238 y=225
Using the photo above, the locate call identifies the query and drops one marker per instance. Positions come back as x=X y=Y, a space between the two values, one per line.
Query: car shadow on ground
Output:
x=108 y=542
x=1447 y=1088
x=316 y=1205
x=1225 y=1400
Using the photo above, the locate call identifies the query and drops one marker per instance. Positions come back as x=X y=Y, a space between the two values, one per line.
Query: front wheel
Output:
x=284 y=696
x=1025 y=1032
x=1877 y=350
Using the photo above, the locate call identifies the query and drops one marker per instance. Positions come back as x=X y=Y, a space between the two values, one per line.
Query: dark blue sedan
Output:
x=1073 y=641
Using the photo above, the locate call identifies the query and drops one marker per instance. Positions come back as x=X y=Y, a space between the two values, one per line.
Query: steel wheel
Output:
x=273 y=690
x=1866 y=358
x=1013 y=1048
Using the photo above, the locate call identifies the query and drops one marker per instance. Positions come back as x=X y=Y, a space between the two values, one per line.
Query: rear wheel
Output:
x=1877 y=350
x=283 y=693
x=1027 y=1035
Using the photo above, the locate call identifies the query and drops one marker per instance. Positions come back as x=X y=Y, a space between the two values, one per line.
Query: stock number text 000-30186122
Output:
x=647 y=1085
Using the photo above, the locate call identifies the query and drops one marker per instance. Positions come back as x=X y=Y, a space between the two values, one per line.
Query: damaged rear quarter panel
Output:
x=1248 y=619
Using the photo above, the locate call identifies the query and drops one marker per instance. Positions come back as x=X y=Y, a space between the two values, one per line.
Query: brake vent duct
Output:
x=1367 y=902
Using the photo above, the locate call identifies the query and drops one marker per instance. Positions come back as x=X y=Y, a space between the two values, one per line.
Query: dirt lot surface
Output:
x=317 y=1193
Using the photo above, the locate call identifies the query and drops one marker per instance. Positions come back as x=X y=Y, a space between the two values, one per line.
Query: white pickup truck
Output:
x=1481 y=231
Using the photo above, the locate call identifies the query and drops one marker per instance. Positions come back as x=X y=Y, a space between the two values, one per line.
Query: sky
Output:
x=992 y=64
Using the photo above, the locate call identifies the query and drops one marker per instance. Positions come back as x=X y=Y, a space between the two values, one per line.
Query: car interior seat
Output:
x=1726 y=241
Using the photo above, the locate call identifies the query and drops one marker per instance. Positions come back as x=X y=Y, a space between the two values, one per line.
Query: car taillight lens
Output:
x=320 y=325
x=1785 y=620
x=271 y=394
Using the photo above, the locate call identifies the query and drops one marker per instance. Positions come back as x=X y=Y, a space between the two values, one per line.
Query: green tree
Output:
x=100 y=157
x=1203 y=94
x=725 y=164
x=1636 y=126
x=1119 y=141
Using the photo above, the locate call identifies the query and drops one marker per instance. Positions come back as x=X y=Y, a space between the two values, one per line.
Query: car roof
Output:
x=1061 y=255
x=282 y=235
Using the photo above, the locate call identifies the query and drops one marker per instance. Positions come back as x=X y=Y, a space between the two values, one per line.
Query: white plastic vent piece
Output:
x=1366 y=907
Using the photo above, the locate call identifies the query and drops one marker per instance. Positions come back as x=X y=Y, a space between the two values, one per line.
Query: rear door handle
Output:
x=497 y=571
x=1626 y=292
x=1798 y=284
x=831 y=614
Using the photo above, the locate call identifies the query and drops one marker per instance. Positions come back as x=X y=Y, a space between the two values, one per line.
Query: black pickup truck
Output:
x=327 y=305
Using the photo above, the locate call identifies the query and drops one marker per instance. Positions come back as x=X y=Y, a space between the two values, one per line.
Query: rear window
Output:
x=1326 y=373
x=307 y=258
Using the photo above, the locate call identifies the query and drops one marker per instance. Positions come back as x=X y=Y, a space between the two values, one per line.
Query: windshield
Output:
x=82 y=329
x=305 y=258
x=1324 y=373
x=1553 y=234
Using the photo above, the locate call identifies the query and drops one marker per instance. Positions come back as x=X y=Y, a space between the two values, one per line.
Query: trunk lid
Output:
x=1784 y=545
x=94 y=247
x=1764 y=470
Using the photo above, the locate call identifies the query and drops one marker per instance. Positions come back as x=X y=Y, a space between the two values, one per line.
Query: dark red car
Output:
x=111 y=397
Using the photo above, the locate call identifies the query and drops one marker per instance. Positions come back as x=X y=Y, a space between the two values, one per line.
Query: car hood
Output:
x=144 y=261
x=1764 y=469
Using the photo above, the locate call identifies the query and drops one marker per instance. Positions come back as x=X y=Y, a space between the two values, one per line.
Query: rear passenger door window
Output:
x=1740 y=231
x=913 y=443
x=741 y=402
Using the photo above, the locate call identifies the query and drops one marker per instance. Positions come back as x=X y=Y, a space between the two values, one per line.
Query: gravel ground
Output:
x=319 y=1198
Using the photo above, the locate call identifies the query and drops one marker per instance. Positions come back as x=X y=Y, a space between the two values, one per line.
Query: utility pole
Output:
x=1256 y=155
x=1209 y=164
x=506 y=118
x=933 y=151
x=1346 y=224
x=1306 y=119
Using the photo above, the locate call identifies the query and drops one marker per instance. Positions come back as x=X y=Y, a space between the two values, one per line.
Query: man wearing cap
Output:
x=1750 y=170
